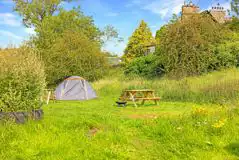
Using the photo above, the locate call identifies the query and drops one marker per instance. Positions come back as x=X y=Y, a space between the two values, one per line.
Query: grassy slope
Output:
x=99 y=130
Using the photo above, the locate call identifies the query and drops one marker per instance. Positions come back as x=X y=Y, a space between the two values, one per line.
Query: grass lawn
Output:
x=98 y=129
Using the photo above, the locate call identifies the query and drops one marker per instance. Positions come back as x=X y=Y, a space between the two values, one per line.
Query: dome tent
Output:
x=75 y=88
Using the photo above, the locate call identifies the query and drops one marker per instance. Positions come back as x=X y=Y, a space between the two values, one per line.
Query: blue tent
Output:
x=75 y=88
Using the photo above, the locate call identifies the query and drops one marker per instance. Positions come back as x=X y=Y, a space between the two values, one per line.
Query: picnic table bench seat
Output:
x=153 y=98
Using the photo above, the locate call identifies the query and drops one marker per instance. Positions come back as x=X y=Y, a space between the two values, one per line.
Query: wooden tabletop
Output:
x=140 y=90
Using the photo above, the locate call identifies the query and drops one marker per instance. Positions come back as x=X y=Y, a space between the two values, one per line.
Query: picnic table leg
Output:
x=156 y=102
x=132 y=97
x=143 y=102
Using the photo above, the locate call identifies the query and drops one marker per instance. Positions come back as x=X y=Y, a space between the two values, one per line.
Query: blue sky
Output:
x=124 y=15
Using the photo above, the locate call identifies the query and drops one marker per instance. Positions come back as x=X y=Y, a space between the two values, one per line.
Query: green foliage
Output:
x=147 y=66
x=235 y=6
x=159 y=34
x=227 y=52
x=174 y=19
x=74 y=54
x=109 y=33
x=53 y=27
x=81 y=55
x=189 y=47
x=138 y=42
x=233 y=25
x=22 y=80
x=34 y=11
x=69 y=44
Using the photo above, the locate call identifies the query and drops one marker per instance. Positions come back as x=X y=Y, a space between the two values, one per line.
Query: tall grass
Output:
x=220 y=87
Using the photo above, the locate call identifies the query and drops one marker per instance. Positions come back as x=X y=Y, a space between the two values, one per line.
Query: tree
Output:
x=233 y=25
x=235 y=6
x=174 y=19
x=69 y=44
x=159 y=33
x=138 y=42
x=68 y=41
x=109 y=33
x=53 y=27
x=73 y=54
x=34 y=11
x=188 y=47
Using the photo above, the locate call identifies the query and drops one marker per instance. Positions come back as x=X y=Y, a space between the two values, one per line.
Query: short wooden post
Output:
x=48 y=97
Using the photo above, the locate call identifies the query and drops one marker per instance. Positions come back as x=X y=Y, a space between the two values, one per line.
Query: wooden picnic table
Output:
x=139 y=95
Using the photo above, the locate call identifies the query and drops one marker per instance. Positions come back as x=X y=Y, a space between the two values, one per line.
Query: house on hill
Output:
x=218 y=13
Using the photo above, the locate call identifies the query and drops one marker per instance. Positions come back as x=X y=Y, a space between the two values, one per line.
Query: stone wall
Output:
x=219 y=15
x=188 y=10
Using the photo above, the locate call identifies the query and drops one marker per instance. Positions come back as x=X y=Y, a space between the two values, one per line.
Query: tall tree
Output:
x=235 y=6
x=187 y=47
x=34 y=11
x=159 y=33
x=52 y=27
x=138 y=42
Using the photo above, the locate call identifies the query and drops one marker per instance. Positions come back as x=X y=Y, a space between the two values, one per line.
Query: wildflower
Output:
x=200 y=112
x=219 y=124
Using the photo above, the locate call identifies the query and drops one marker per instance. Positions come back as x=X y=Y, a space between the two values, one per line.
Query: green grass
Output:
x=97 y=129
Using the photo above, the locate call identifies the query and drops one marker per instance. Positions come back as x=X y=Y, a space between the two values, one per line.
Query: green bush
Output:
x=22 y=80
x=147 y=66
x=73 y=54
x=193 y=46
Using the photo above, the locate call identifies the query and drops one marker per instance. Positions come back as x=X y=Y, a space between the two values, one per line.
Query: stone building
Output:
x=218 y=12
x=189 y=9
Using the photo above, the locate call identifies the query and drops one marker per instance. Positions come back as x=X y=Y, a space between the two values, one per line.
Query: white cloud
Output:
x=164 y=8
x=112 y=14
x=9 y=19
x=10 y=35
x=30 y=31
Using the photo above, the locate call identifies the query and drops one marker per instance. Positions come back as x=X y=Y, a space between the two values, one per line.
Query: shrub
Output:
x=188 y=47
x=227 y=52
x=22 y=80
x=148 y=66
x=73 y=54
